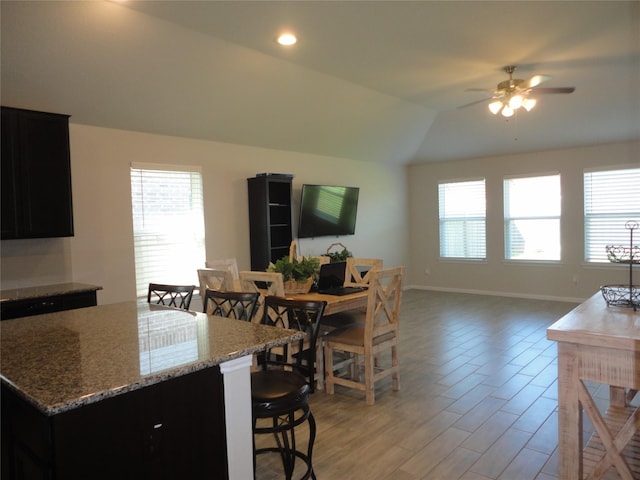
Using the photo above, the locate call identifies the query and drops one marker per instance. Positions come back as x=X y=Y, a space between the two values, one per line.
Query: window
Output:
x=611 y=199
x=532 y=218
x=463 y=219
x=168 y=224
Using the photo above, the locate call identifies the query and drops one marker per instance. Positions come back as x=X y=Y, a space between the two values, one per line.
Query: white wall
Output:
x=101 y=252
x=569 y=279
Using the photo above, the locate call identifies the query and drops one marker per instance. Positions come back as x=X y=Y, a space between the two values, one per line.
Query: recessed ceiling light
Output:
x=287 y=39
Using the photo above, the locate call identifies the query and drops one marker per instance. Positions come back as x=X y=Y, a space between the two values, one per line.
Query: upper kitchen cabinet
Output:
x=36 y=175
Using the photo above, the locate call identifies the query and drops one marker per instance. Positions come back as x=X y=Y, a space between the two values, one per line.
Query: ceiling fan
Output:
x=512 y=94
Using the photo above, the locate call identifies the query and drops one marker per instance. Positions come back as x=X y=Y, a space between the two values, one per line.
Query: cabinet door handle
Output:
x=38 y=306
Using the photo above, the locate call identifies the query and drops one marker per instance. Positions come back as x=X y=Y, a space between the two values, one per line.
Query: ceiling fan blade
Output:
x=553 y=90
x=490 y=90
x=474 y=103
x=534 y=81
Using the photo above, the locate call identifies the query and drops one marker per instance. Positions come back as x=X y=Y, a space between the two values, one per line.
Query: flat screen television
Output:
x=327 y=210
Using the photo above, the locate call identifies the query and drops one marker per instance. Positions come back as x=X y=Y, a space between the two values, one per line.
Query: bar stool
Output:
x=280 y=390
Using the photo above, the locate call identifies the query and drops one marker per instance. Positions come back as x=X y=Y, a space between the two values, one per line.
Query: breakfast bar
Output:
x=598 y=344
x=129 y=390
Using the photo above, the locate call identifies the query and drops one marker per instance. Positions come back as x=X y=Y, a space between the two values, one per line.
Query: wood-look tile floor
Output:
x=477 y=399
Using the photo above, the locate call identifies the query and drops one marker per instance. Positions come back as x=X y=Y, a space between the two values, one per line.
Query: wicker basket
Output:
x=291 y=287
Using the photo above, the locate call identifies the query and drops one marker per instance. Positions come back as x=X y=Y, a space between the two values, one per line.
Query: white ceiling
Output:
x=378 y=81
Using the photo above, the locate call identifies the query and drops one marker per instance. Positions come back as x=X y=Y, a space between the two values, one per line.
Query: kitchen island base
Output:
x=173 y=429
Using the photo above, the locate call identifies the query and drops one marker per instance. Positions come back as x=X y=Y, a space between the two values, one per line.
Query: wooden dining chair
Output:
x=238 y=305
x=354 y=277
x=230 y=264
x=377 y=336
x=265 y=283
x=356 y=266
x=215 y=279
x=177 y=296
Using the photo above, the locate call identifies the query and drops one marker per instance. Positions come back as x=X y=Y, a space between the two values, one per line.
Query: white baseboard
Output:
x=496 y=294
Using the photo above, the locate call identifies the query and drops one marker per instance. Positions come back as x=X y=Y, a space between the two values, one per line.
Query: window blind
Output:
x=462 y=212
x=611 y=199
x=532 y=218
x=168 y=226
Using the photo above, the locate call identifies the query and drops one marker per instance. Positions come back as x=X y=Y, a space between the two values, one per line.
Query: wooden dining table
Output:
x=598 y=344
x=337 y=303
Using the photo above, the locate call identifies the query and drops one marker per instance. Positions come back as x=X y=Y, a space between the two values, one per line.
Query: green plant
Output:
x=340 y=256
x=300 y=271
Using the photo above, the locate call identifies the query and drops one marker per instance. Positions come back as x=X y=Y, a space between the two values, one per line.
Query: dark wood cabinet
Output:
x=47 y=304
x=173 y=429
x=270 y=218
x=36 y=175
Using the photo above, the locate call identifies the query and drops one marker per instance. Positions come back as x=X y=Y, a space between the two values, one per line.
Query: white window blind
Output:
x=462 y=208
x=168 y=226
x=532 y=218
x=611 y=199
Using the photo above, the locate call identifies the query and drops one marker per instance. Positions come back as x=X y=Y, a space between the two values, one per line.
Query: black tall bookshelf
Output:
x=270 y=218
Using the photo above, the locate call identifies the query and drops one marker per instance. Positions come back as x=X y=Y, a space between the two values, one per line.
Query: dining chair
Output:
x=377 y=336
x=280 y=388
x=177 y=296
x=238 y=305
x=354 y=277
x=355 y=268
x=214 y=279
x=265 y=283
x=230 y=264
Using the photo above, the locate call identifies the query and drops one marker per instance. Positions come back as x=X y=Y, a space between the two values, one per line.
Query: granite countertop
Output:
x=61 y=361
x=45 y=291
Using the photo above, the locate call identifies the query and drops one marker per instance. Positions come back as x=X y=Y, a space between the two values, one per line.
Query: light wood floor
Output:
x=478 y=398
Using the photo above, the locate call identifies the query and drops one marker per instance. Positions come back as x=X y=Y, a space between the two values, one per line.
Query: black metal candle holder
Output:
x=624 y=295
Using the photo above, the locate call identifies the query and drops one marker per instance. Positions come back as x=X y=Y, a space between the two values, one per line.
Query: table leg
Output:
x=569 y=414
x=617 y=396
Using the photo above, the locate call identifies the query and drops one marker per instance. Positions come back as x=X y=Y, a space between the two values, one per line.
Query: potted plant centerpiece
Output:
x=298 y=274
x=339 y=255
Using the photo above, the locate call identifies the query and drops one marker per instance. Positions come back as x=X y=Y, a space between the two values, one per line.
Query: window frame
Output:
x=509 y=219
x=467 y=220
x=617 y=220
x=190 y=244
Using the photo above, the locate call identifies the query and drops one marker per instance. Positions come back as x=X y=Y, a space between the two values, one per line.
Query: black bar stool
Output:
x=280 y=390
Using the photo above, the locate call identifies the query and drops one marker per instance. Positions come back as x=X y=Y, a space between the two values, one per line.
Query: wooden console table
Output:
x=599 y=344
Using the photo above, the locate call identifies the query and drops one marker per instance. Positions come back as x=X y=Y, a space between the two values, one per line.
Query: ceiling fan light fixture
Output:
x=529 y=103
x=495 y=107
x=515 y=102
x=507 y=111
x=513 y=94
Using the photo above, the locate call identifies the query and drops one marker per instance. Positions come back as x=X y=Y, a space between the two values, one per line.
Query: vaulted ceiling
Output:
x=379 y=81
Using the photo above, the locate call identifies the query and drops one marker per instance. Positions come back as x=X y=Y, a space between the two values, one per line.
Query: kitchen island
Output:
x=129 y=390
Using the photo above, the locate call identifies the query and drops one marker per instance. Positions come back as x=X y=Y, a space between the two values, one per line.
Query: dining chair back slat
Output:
x=355 y=268
x=214 y=279
x=265 y=283
x=177 y=296
x=230 y=264
x=238 y=305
